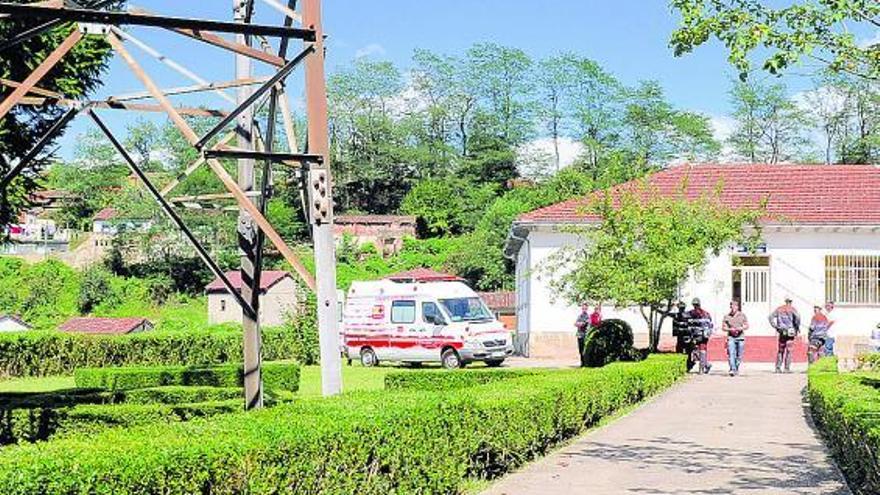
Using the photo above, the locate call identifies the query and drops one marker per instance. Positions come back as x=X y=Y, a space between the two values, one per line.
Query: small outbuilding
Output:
x=279 y=298
x=386 y=232
x=12 y=323
x=503 y=305
x=106 y=326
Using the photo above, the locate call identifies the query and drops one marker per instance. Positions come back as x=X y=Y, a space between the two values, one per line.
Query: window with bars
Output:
x=852 y=279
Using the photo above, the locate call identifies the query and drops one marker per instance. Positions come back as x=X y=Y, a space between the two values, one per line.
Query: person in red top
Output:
x=596 y=316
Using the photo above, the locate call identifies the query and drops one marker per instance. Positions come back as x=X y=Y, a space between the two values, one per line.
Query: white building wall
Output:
x=276 y=306
x=797 y=269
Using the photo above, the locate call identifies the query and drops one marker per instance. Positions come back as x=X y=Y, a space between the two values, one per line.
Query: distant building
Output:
x=423 y=275
x=109 y=222
x=11 y=323
x=106 y=326
x=386 y=232
x=503 y=305
x=279 y=298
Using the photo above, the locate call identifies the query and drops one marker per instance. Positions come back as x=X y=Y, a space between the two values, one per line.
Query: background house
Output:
x=821 y=242
x=11 y=323
x=106 y=326
x=386 y=232
x=279 y=298
x=503 y=305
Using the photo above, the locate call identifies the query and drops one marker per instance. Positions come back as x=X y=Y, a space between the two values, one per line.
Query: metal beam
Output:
x=322 y=228
x=38 y=147
x=117 y=105
x=182 y=90
x=42 y=28
x=215 y=165
x=262 y=155
x=35 y=90
x=41 y=70
x=169 y=62
x=123 y=18
x=254 y=96
x=192 y=168
x=200 y=197
x=172 y=215
x=220 y=42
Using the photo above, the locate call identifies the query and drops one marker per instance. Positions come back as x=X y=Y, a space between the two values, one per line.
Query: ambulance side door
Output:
x=402 y=341
x=432 y=324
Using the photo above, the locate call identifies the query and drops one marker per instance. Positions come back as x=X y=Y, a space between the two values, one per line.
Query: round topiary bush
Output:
x=611 y=341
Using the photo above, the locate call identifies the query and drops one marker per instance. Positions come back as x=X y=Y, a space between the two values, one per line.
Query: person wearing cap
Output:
x=684 y=343
x=735 y=325
x=787 y=322
x=700 y=325
x=832 y=319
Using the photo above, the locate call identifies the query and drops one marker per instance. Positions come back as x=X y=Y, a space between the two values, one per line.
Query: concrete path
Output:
x=712 y=434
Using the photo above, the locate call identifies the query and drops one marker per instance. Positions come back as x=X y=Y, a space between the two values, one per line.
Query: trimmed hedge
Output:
x=282 y=376
x=846 y=408
x=450 y=380
x=45 y=353
x=36 y=424
x=389 y=442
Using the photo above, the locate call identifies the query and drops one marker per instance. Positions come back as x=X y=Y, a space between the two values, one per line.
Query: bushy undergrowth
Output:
x=281 y=376
x=388 y=442
x=450 y=380
x=846 y=407
x=43 y=353
x=611 y=341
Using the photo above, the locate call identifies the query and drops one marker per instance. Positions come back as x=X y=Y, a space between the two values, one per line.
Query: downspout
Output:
x=521 y=240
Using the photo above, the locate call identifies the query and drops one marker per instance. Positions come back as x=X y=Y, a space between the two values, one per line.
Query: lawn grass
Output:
x=37 y=384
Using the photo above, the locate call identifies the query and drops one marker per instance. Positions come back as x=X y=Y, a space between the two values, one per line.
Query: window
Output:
x=222 y=304
x=852 y=279
x=403 y=312
x=431 y=313
x=466 y=309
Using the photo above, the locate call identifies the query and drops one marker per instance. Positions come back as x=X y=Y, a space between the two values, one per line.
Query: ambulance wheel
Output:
x=368 y=358
x=451 y=360
x=494 y=363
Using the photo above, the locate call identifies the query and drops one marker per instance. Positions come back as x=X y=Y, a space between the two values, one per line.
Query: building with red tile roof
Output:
x=385 y=232
x=105 y=326
x=422 y=275
x=821 y=241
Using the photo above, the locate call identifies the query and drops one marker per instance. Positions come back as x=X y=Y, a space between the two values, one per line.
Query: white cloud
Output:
x=722 y=128
x=537 y=158
x=869 y=42
x=370 y=50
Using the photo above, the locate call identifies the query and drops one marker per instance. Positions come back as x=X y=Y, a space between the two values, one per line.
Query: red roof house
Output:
x=268 y=279
x=105 y=214
x=422 y=275
x=106 y=326
x=279 y=298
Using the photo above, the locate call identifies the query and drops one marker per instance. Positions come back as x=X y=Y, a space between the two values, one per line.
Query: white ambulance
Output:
x=443 y=322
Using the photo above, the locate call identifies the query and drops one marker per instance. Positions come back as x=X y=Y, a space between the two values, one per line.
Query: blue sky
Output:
x=628 y=37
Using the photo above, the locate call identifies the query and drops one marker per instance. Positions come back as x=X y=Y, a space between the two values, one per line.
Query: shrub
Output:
x=391 y=442
x=611 y=341
x=283 y=376
x=40 y=353
x=450 y=380
x=303 y=334
x=846 y=408
x=37 y=424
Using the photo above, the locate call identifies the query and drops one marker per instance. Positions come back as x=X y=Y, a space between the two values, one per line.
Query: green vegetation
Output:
x=432 y=380
x=46 y=353
x=280 y=376
x=401 y=442
x=846 y=407
x=611 y=341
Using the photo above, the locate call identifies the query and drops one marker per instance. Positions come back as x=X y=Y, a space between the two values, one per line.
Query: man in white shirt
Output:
x=831 y=315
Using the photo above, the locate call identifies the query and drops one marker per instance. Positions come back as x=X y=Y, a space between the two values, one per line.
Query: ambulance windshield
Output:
x=466 y=309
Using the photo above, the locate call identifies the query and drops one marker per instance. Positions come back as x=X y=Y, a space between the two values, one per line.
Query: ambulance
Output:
x=421 y=322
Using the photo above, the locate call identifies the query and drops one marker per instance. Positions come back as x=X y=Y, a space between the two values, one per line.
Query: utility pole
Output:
x=247 y=230
x=321 y=204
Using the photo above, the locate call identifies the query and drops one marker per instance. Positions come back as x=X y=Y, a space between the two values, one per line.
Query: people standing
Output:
x=596 y=317
x=684 y=342
x=831 y=315
x=818 y=334
x=582 y=324
x=700 y=326
x=735 y=325
x=787 y=322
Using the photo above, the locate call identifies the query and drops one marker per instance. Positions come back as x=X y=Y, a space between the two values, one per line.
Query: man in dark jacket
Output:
x=583 y=327
x=700 y=324
x=684 y=342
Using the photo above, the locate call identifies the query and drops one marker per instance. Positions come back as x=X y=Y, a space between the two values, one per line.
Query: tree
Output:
x=770 y=127
x=643 y=249
x=827 y=106
x=448 y=206
x=784 y=34
x=76 y=75
x=657 y=132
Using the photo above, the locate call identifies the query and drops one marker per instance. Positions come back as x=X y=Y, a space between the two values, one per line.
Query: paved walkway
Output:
x=709 y=435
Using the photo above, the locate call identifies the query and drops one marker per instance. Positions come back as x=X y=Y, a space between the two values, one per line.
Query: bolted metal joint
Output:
x=319 y=192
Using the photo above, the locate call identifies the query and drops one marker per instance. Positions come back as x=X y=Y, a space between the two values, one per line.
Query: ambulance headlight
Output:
x=473 y=343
